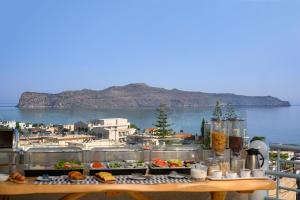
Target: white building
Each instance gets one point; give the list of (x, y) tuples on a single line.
[(8, 124), (22, 125), (69, 127), (115, 129)]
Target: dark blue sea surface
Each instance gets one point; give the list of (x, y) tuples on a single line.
[(278, 124)]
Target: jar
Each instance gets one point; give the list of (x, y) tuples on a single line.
[(224, 165), (199, 171), (235, 136), (237, 164), (218, 137), (212, 165)]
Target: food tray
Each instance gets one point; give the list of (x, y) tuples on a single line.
[(50, 172), (119, 171), (167, 170), (237, 179)]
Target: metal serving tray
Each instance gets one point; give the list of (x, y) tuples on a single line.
[(173, 152)]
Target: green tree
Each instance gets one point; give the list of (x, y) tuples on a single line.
[(162, 124), (18, 126), (202, 127), (135, 127), (230, 112), (217, 114)]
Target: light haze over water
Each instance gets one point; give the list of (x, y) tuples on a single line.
[(277, 124)]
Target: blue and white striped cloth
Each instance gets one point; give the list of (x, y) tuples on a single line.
[(122, 179)]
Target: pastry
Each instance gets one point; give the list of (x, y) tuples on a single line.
[(74, 175), (105, 177), (16, 177)]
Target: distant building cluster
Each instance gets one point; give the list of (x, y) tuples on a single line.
[(94, 133), (112, 129)]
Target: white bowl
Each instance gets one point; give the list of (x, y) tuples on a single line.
[(3, 177), (217, 174), (231, 175), (258, 172)]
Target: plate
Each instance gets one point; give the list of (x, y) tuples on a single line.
[(76, 181), (40, 178), (138, 177), (176, 175)]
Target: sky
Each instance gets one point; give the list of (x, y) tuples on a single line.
[(249, 47)]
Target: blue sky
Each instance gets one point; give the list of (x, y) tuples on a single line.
[(246, 47)]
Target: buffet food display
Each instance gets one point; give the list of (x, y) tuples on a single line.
[(52, 160), (167, 159), (166, 164), (117, 160)]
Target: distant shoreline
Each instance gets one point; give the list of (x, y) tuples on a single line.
[(145, 108)]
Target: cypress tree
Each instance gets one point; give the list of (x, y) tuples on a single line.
[(202, 127), (162, 124), (217, 114), (230, 112)]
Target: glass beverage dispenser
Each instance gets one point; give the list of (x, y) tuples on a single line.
[(218, 136), (235, 130)]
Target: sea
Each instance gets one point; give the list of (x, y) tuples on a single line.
[(277, 124)]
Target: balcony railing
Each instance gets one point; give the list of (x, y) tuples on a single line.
[(279, 173)]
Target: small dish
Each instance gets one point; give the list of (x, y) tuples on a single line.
[(77, 181), (174, 174), (4, 177), (138, 176), (217, 174)]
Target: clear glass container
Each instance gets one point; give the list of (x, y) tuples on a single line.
[(16, 138), (199, 171), (120, 154), (235, 129), (237, 164), (48, 157), (224, 165), (9, 159), (218, 136), (183, 153), (212, 165)]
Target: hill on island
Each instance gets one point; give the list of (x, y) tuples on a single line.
[(138, 95)]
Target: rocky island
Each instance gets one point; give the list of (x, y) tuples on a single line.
[(138, 95)]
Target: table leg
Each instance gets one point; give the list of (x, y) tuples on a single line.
[(4, 197), (73, 196), (138, 196), (112, 194), (218, 195)]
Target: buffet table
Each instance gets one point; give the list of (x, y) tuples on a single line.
[(218, 189)]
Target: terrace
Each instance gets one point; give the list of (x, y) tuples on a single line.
[(38, 161)]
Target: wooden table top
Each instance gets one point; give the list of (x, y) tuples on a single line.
[(9, 188)]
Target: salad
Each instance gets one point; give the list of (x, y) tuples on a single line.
[(97, 165), (69, 165), (135, 164), (115, 165), (159, 163), (188, 163), (175, 163)]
